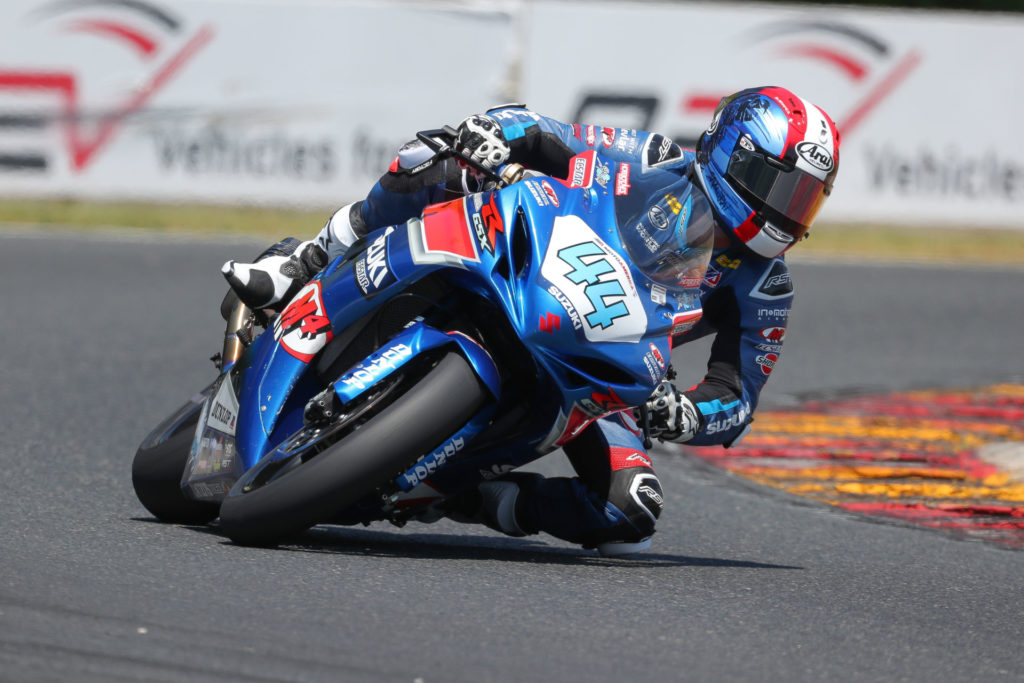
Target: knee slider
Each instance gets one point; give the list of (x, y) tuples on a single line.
[(637, 493)]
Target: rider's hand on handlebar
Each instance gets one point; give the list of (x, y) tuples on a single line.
[(673, 416), (480, 138)]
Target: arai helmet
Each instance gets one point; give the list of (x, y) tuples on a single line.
[(767, 163)]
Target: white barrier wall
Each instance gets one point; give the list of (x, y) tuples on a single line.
[(928, 104), (271, 101), (306, 101)]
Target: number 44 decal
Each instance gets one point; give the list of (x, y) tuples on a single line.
[(303, 328), (596, 291), (596, 281)]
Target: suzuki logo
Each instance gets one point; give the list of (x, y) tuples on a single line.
[(549, 323)]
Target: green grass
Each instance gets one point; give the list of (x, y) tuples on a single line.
[(991, 246), (267, 222), (846, 241)]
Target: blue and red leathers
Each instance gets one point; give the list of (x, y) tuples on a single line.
[(746, 301)]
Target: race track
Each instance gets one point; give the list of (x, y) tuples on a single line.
[(103, 336)]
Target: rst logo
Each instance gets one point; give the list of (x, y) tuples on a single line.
[(595, 280)]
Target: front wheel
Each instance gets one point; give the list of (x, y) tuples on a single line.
[(266, 506)]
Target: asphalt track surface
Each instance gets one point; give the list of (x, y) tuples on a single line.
[(102, 337)]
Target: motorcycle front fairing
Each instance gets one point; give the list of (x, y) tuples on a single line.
[(277, 371), (550, 254)]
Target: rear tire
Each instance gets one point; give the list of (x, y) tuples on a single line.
[(315, 491)]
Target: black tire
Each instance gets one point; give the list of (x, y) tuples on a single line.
[(318, 489), (156, 475)]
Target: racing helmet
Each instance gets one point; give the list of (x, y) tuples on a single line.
[(767, 162)]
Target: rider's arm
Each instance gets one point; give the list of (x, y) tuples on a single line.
[(748, 312), (546, 144)]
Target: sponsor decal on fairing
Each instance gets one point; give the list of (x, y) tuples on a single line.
[(570, 310), (622, 180), (224, 409), (366, 373), (684, 322), (549, 192), (487, 223), (549, 323), (537, 192), (659, 295), (426, 467), (371, 270), (443, 235), (602, 174), (303, 327), (657, 356)]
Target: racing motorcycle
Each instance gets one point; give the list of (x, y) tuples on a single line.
[(437, 354)]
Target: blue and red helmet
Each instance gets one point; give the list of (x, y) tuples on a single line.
[(767, 163)]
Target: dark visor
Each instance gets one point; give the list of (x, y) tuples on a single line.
[(794, 194)]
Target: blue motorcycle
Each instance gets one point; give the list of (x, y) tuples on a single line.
[(438, 354)]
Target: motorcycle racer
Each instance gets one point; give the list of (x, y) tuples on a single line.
[(765, 165)]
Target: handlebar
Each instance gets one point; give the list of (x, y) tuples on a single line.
[(442, 142)]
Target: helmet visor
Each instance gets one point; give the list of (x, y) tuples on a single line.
[(795, 195)]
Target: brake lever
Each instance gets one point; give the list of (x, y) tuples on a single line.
[(645, 425)]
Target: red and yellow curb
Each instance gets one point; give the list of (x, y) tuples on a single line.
[(951, 460)]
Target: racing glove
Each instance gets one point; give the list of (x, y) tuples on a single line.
[(480, 138), (673, 416)]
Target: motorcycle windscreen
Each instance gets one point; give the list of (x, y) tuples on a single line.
[(667, 227)]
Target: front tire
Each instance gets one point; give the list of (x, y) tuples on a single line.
[(308, 492)]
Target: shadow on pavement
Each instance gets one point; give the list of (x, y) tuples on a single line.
[(455, 546)]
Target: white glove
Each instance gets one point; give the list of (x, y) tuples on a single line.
[(673, 416), (480, 138)]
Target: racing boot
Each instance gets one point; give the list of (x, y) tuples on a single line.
[(277, 275), (493, 504)]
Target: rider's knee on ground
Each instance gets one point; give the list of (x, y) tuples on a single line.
[(635, 501)]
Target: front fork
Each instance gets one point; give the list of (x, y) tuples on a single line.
[(237, 334)]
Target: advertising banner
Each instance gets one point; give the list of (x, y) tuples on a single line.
[(306, 102), (926, 102), (281, 102)]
